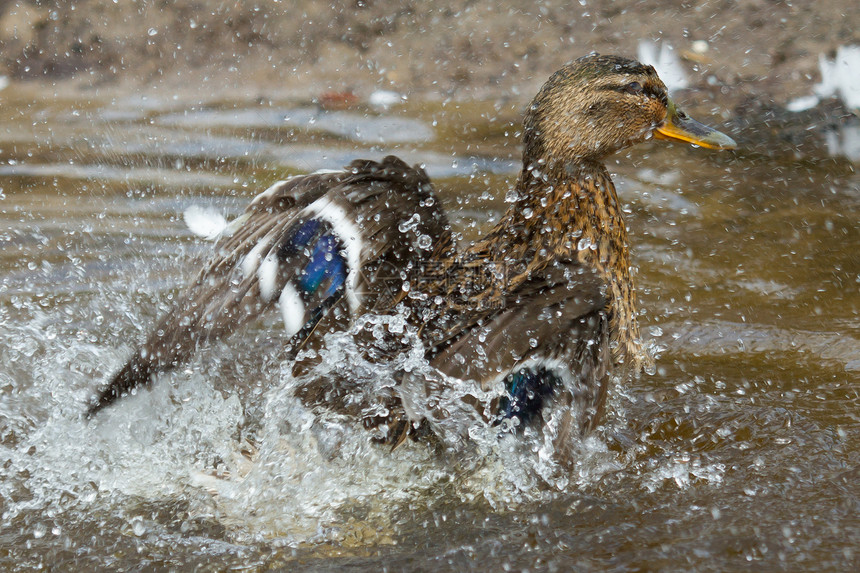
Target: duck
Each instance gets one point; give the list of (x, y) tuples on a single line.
[(540, 314)]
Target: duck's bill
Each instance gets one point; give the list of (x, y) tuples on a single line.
[(678, 126)]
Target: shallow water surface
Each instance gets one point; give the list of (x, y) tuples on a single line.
[(740, 451)]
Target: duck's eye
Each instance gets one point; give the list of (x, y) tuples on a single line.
[(634, 88)]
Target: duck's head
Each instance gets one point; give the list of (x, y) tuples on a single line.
[(599, 104)]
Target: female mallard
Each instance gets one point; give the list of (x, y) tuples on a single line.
[(544, 304)]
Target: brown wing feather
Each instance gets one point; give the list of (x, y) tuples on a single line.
[(493, 340), (376, 196), (557, 317)]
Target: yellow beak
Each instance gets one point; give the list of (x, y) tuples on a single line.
[(678, 126)]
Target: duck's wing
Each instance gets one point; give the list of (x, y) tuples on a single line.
[(308, 244), (541, 314), (548, 337)]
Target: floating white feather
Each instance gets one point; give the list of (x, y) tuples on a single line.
[(205, 222)]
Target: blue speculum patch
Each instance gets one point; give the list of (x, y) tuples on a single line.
[(325, 262), (326, 267), (528, 390), (302, 235)]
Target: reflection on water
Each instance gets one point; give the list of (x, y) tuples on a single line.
[(741, 449), (353, 126)]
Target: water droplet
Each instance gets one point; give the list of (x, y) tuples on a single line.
[(410, 224), (511, 196), (425, 242)]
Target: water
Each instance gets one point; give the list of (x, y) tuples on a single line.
[(741, 451)]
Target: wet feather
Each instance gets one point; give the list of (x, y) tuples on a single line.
[(541, 311)]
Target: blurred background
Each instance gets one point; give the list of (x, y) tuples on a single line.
[(760, 49)]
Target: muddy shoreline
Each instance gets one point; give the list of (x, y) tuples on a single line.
[(757, 57)]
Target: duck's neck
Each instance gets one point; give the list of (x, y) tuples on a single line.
[(572, 212)]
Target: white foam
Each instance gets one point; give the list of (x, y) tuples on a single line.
[(204, 222), (292, 309)]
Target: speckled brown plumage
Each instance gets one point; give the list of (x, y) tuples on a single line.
[(566, 203), (540, 312)]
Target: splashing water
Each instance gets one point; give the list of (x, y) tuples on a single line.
[(736, 449), (308, 474)]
